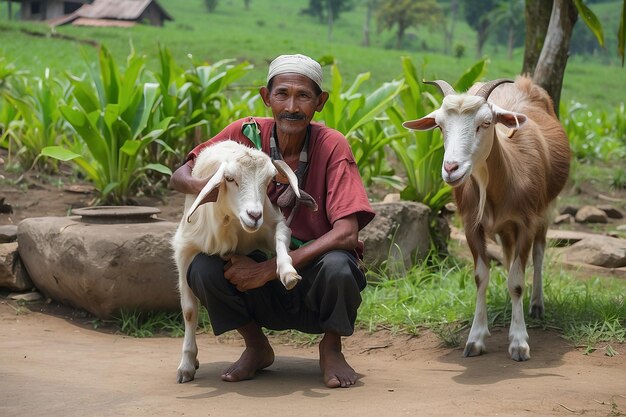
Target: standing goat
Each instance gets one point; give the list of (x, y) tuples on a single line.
[(507, 157), (241, 220)]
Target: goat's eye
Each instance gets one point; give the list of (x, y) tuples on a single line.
[(229, 179)]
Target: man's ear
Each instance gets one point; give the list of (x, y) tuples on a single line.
[(265, 95), (321, 101)]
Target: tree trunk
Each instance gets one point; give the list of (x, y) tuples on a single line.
[(400, 36), (482, 37), (10, 11), (537, 20), (550, 68), (449, 32), (366, 24), (330, 21), (511, 41)]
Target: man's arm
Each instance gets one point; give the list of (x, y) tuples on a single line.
[(247, 274), (183, 182)]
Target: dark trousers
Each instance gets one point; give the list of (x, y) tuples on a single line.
[(325, 300)]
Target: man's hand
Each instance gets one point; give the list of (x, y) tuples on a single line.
[(246, 274)]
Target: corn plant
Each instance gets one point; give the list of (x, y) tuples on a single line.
[(39, 123), (113, 115), (595, 134), (354, 114), (421, 153), (196, 100)]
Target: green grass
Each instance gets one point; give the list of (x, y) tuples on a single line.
[(441, 297), (440, 294), (271, 28)]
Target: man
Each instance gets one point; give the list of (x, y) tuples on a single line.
[(243, 292)]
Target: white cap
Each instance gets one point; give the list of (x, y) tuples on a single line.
[(299, 64)]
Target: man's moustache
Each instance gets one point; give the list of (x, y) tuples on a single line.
[(292, 116)]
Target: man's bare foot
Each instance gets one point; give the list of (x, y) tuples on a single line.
[(252, 359), (336, 371), (257, 355)]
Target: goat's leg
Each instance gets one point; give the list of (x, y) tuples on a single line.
[(536, 301), (284, 267), (518, 337), (480, 327), (189, 304)]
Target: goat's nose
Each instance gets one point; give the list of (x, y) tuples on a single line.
[(450, 167), (255, 214)]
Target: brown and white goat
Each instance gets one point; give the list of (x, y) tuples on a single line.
[(507, 157)]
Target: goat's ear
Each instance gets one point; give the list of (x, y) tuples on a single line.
[(214, 182), (427, 122), (284, 169), (510, 119)]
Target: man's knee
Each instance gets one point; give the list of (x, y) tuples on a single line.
[(341, 269), (205, 272)]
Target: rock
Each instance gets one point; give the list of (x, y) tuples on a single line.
[(569, 209), (591, 214), (8, 233), (564, 218), (604, 251), (399, 232), (621, 228), (101, 268), (13, 275), (29, 296), (392, 198), (611, 211)]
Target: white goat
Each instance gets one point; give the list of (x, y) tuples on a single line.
[(507, 159), (241, 220)]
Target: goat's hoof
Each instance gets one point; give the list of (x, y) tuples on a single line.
[(536, 311), (186, 374), (519, 353), (291, 280), (473, 349)]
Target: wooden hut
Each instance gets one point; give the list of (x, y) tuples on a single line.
[(100, 12)]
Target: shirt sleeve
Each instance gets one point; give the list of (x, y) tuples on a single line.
[(346, 193)]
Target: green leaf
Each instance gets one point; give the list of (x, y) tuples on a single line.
[(469, 77), (131, 147), (60, 153), (159, 168), (591, 20)]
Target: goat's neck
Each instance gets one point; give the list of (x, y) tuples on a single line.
[(490, 186)]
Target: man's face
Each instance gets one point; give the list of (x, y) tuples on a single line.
[(294, 101)]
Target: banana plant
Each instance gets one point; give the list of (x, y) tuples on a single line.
[(195, 98), (355, 114), (37, 122), (112, 115), (421, 153)]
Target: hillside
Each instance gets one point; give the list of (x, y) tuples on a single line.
[(271, 28)]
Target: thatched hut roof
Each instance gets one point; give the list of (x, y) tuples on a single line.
[(109, 11)]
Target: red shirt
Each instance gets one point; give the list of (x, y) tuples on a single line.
[(332, 178)]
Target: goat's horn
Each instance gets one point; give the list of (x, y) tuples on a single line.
[(488, 87), (444, 87)]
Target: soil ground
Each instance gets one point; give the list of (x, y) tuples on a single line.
[(53, 363), (57, 365)]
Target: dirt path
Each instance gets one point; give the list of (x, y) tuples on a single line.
[(51, 366)]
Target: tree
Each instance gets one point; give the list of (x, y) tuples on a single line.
[(404, 14), (210, 5), (548, 67), (246, 4), (328, 10), (370, 6), (448, 28), (508, 16), (477, 16)]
